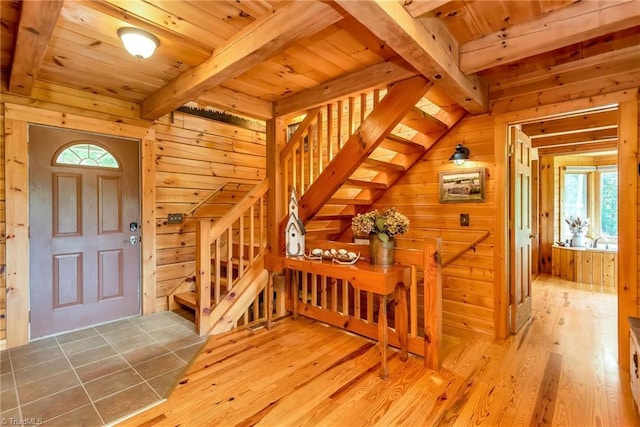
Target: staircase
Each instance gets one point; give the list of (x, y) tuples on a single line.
[(341, 157), (230, 275), (340, 180)]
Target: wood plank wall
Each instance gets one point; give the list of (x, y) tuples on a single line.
[(194, 156), (233, 155), (468, 282), (638, 211), (3, 236)]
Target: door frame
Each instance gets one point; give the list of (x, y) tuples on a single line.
[(16, 164), (627, 101)]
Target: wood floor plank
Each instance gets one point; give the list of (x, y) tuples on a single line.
[(560, 369), (545, 405)]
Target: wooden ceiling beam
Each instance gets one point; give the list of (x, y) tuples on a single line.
[(257, 42), (575, 72), (578, 148), (574, 124), (424, 43), (380, 74), (563, 27), (37, 22), (603, 135), (418, 8), (236, 102)]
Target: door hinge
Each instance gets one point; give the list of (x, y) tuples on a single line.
[(29, 316), (510, 149)]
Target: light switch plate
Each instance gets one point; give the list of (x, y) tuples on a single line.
[(464, 220), (174, 218)]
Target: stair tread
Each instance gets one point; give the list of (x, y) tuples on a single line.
[(324, 230), (401, 145), (423, 122), (345, 201), (365, 184), (326, 217), (372, 163), (187, 299)]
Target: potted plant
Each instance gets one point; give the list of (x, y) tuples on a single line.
[(578, 228), (381, 227)]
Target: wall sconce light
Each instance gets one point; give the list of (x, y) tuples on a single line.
[(460, 156), (139, 43)]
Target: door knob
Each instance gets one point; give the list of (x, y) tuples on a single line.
[(533, 236), (133, 240)]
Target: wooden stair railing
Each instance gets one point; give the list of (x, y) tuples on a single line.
[(181, 293), (372, 131), (337, 302), (205, 199), (338, 180), (238, 240)]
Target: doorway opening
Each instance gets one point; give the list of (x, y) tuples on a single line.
[(573, 182)]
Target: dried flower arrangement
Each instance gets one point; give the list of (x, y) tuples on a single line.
[(385, 224), (578, 226)]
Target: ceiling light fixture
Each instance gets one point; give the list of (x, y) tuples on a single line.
[(139, 43), (460, 156)]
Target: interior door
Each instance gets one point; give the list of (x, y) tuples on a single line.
[(84, 235), (520, 228)]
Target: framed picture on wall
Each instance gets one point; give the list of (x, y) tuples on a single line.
[(462, 186)]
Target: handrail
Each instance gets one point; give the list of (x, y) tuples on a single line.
[(230, 217), (302, 128), (471, 245), (203, 201)]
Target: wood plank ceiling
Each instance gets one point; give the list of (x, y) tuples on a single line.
[(254, 57)]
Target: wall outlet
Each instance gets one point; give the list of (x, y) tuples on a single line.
[(174, 218), (464, 220)]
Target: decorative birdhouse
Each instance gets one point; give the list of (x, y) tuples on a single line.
[(294, 232)]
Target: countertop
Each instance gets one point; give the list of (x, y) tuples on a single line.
[(585, 249)]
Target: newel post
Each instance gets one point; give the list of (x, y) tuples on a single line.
[(432, 302), (203, 276)]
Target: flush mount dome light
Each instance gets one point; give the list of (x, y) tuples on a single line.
[(460, 156), (138, 43)]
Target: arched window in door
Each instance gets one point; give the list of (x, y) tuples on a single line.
[(86, 154)]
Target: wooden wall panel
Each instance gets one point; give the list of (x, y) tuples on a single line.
[(3, 281), (548, 215), (468, 282), (194, 158)]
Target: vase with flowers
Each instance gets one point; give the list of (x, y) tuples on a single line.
[(381, 227), (578, 227)]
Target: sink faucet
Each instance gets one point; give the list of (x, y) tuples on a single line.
[(595, 242)]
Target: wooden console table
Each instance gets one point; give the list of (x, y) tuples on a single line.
[(383, 281)]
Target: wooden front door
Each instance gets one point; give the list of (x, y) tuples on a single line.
[(84, 234), (520, 228)]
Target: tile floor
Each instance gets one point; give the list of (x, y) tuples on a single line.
[(97, 375)]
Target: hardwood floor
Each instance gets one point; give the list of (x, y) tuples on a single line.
[(560, 369)]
